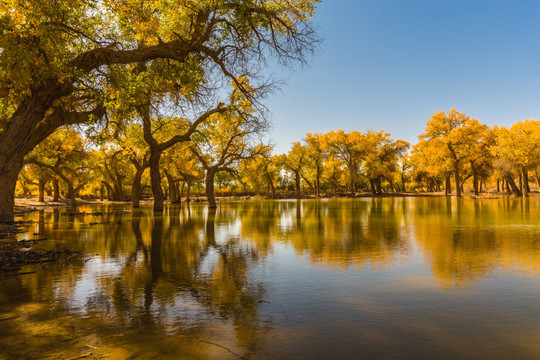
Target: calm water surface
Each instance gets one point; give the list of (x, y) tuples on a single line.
[(403, 278)]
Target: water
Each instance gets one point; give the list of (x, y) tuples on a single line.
[(392, 278)]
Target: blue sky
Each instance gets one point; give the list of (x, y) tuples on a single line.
[(389, 64)]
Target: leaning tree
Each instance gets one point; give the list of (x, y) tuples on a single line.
[(56, 57)]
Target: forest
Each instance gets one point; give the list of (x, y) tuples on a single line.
[(128, 100), (226, 155)]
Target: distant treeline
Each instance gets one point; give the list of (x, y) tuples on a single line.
[(455, 154)]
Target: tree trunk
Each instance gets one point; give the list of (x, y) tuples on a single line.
[(525, 180), (372, 184), (8, 178), (118, 189), (178, 192), (526, 176), (511, 184), (438, 185), (155, 179), (537, 177), (109, 190), (173, 196), (352, 182), (101, 192), (457, 179), (41, 189), (297, 183), (378, 182), (475, 183), (448, 186), (403, 183), (272, 188), (188, 191), (18, 138), (392, 189), (56, 190), (136, 189), (71, 194), (209, 184), (318, 182), (498, 185)]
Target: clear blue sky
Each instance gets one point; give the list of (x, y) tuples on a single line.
[(391, 64)]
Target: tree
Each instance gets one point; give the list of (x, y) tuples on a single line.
[(183, 131), (431, 165), (405, 166), (349, 148), (260, 170), (63, 153), (382, 158), (181, 166), (333, 173), (458, 134), (223, 141), (114, 168), (315, 154), (57, 59), (520, 147), (134, 147), (295, 161)]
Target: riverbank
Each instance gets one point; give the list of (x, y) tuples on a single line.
[(31, 203)]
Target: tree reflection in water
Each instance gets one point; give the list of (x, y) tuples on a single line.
[(180, 283)]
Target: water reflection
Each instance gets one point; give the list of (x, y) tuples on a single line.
[(281, 279)]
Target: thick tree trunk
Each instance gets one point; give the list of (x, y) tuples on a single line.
[(525, 180), (209, 184), (41, 190), (101, 192), (172, 187), (178, 192), (56, 190), (71, 194), (403, 183), (110, 195), (475, 183), (118, 189), (511, 184), (136, 189), (155, 179), (498, 185), (378, 182), (24, 130), (372, 184), (448, 186), (8, 179)]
